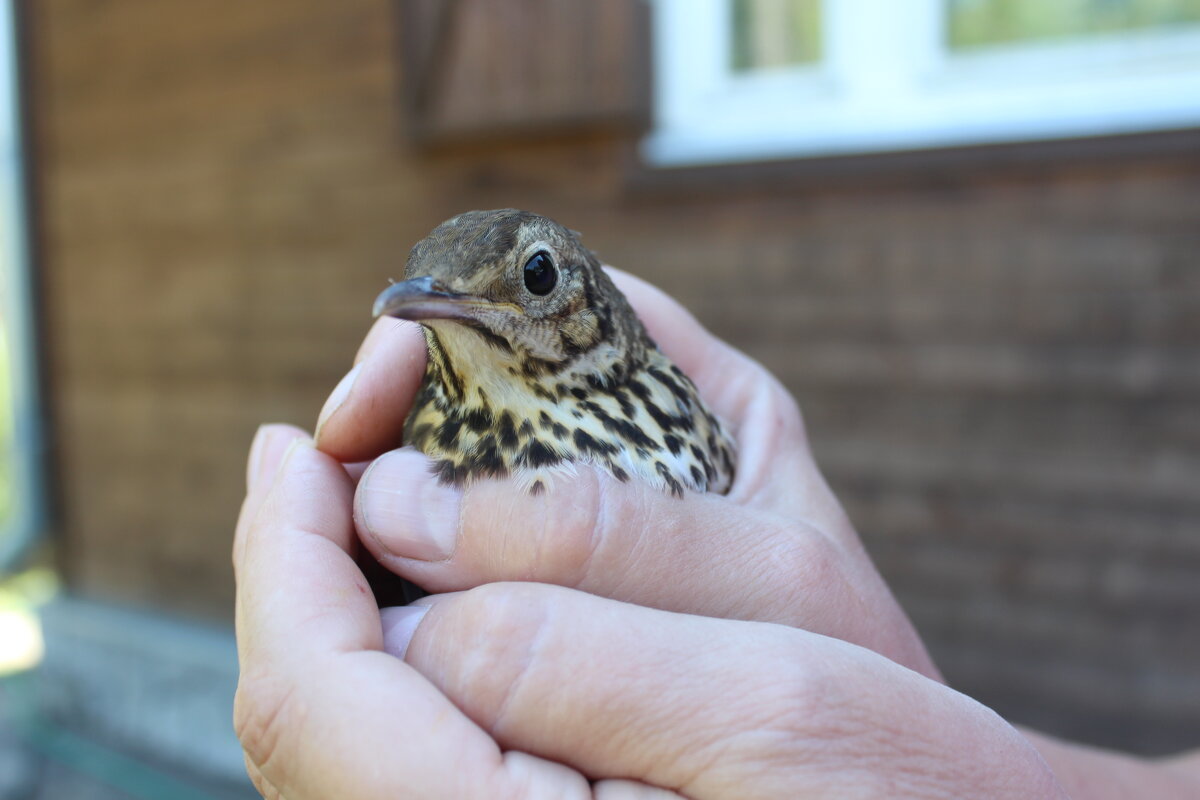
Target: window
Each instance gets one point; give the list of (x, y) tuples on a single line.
[(774, 34), (759, 79), (20, 485)]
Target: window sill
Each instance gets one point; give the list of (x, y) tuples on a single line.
[(924, 166)]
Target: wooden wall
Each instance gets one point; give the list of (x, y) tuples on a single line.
[(999, 368)]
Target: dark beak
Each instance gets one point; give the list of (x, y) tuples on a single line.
[(425, 298)]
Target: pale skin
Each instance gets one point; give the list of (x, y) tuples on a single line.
[(600, 639)]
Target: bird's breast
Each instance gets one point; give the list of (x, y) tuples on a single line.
[(650, 426)]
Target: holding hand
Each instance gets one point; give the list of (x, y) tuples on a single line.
[(776, 548), (527, 690), (710, 647)]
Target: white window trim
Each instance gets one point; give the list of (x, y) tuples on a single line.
[(886, 82)]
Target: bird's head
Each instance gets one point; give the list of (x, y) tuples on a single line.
[(514, 292)]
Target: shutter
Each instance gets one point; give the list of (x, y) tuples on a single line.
[(487, 68)]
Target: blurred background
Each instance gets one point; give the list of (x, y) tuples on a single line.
[(965, 233)]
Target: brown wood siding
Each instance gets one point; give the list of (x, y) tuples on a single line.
[(1000, 370)]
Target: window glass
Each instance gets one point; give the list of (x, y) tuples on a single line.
[(745, 80), (977, 23), (768, 34)]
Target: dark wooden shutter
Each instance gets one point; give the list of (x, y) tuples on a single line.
[(486, 68)]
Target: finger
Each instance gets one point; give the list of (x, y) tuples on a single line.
[(382, 330), (320, 711), (364, 414), (702, 554), (300, 536), (266, 452), (710, 708), (264, 786)]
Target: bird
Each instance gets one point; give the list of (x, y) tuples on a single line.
[(537, 363)]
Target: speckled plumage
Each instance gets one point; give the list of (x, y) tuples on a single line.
[(528, 385)]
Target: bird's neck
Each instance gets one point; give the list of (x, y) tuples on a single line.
[(473, 373)]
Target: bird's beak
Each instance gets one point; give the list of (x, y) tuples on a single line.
[(424, 298)]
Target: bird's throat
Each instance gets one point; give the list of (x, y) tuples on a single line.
[(479, 414)]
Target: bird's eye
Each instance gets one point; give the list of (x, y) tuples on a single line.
[(540, 276)]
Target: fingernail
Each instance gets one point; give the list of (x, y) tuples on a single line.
[(266, 454), (293, 446), (399, 625), (337, 396), (401, 505)]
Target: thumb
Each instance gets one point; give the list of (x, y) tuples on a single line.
[(702, 554)]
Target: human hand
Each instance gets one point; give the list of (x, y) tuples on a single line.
[(528, 690), (777, 548)]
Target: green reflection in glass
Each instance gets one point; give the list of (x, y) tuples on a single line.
[(977, 23), (768, 34)]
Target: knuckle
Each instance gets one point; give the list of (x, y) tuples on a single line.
[(815, 561), (553, 536), (799, 704), (830, 716), (499, 611), (577, 529), (507, 630), (819, 585), (263, 710), (796, 697), (812, 706), (779, 715), (603, 540), (807, 575), (261, 784)]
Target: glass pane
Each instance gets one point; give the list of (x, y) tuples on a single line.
[(975, 23), (769, 34)]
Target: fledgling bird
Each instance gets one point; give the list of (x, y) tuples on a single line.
[(537, 361)]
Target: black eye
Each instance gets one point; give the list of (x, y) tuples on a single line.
[(540, 276)]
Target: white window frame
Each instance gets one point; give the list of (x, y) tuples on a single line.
[(888, 82), (27, 515)]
